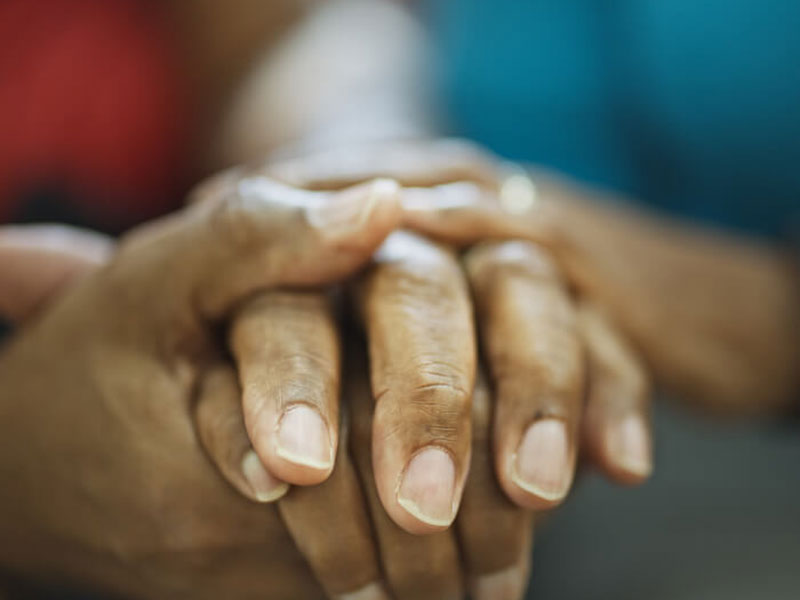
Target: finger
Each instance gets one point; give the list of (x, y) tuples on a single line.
[(250, 233), (616, 427), (220, 428), (495, 534), (330, 525), (38, 261), (414, 567), (412, 163), (529, 334), (418, 319), (287, 353), (464, 213)]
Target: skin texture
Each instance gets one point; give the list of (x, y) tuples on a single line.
[(110, 483), (729, 346), (320, 517), (412, 290), (529, 328), (354, 568)]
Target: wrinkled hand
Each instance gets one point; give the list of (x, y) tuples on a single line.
[(538, 346), (340, 527), (714, 316), (105, 479), (416, 312)]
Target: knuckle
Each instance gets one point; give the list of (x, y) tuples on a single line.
[(245, 215), (414, 258), (435, 376), (440, 396), (440, 387), (305, 366), (434, 403), (493, 259), (232, 222)]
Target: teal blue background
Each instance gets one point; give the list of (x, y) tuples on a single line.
[(692, 106)]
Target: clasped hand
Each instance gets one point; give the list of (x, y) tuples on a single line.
[(286, 331)]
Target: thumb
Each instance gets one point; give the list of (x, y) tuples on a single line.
[(248, 234), (38, 261)]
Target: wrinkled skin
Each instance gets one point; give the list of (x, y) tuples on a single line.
[(104, 477), (488, 520), (714, 315)]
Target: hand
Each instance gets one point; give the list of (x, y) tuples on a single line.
[(415, 275), (715, 316), (110, 483), (321, 517), (494, 535), (340, 526), (728, 342), (525, 316)]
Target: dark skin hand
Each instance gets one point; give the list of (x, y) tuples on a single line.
[(412, 291), (538, 344), (110, 482), (487, 521), (727, 343), (320, 517)]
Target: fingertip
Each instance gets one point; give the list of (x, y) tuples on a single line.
[(627, 446), (424, 497), (427, 488), (263, 486), (302, 449), (540, 472)]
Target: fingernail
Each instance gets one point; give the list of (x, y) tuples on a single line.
[(303, 438), (346, 212), (628, 444), (542, 465), (373, 591), (508, 584), (265, 487), (428, 486)]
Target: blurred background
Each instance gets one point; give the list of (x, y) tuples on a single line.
[(111, 109)]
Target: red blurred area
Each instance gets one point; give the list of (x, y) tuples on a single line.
[(90, 97)]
